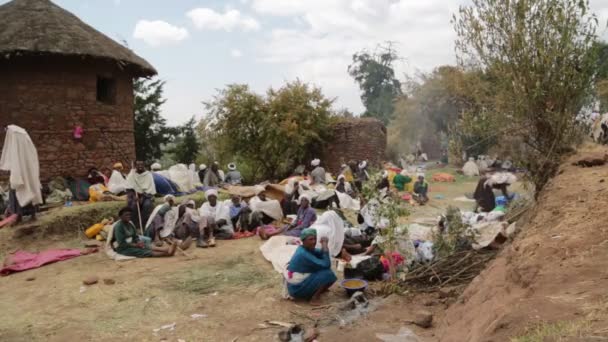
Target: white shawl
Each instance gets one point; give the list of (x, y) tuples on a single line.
[(331, 226), (117, 183), (271, 208), (219, 212), (142, 183), (20, 158)]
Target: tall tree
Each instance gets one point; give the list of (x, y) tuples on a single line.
[(540, 53), (375, 74), (151, 131), (187, 147), (270, 133)]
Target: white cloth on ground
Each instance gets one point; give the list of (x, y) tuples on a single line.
[(142, 183), (20, 158), (269, 207), (279, 250), (347, 202), (117, 183)]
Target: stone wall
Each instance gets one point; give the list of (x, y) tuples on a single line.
[(355, 139), (50, 97)]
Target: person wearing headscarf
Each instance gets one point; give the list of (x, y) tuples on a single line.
[(233, 177), (188, 225), (95, 177), (216, 217), (202, 169), (163, 217), (117, 184), (212, 176), (306, 216), (401, 180), (343, 186), (309, 273), (140, 193), (129, 243), (484, 192), (98, 192), (318, 173), (384, 185), (361, 176), (156, 167), (421, 189)]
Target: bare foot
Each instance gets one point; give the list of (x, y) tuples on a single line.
[(345, 255), (186, 243), (172, 249), (315, 302)]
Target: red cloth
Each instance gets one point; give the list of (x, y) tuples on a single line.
[(9, 220), (241, 235), (22, 260)]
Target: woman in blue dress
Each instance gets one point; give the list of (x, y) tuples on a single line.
[(309, 272)]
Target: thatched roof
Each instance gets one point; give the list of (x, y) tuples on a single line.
[(39, 27)]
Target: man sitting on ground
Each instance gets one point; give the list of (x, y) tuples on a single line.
[(216, 216), (131, 244), (421, 189), (233, 177), (161, 217), (237, 210)]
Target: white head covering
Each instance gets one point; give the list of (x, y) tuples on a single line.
[(191, 202), (363, 164), (168, 198), (305, 196), (384, 174), (202, 167), (232, 166), (403, 172), (156, 167), (210, 192), (420, 175), (315, 162), (341, 177)]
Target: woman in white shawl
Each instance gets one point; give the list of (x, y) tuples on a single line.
[(216, 217), (117, 183), (162, 221)]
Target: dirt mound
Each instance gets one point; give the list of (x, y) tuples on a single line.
[(551, 282)]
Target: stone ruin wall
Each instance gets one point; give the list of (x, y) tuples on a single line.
[(355, 139), (49, 99)]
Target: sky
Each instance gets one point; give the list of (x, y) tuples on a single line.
[(200, 46)]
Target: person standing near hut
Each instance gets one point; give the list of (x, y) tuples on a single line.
[(20, 158), (140, 193)]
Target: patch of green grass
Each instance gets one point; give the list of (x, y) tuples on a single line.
[(555, 331), (232, 273)]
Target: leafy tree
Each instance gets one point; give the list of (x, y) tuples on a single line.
[(187, 147), (151, 131), (271, 133), (541, 57), (375, 74)]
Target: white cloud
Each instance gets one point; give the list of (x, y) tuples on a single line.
[(158, 33), (236, 53), (208, 19), (319, 47)]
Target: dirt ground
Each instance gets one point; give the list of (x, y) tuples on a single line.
[(231, 285), (550, 284)]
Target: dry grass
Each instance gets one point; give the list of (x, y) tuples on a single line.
[(232, 273)]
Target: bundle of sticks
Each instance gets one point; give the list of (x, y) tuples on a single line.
[(456, 269)]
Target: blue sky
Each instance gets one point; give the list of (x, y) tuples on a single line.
[(199, 46)]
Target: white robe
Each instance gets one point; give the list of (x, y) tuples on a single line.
[(20, 158), (221, 211), (331, 226), (269, 207), (117, 183), (142, 183)]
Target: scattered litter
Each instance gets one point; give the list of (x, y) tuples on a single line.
[(215, 293), (82, 289), (556, 237), (169, 327), (197, 316), (404, 335), (439, 197)]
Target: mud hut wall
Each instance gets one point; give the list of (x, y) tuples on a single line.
[(355, 139), (49, 99)]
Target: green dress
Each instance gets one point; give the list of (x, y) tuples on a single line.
[(400, 181), (125, 235)]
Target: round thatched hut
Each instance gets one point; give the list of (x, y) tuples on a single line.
[(58, 74)]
